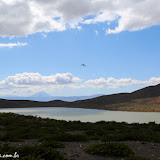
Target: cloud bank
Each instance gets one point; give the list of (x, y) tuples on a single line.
[(10, 45), (21, 17), (30, 82), (27, 80), (117, 83)]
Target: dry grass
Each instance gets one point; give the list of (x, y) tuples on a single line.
[(138, 105)]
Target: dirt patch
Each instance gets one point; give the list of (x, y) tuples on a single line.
[(155, 100), (145, 149), (30, 142)]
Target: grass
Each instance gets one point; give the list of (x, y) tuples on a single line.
[(137, 105)]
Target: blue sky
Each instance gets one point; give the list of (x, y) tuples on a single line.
[(130, 57)]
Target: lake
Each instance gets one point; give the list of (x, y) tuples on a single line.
[(87, 115)]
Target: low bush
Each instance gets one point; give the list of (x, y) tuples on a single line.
[(65, 137), (110, 149), (38, 152), (18, 128), (53, 144)]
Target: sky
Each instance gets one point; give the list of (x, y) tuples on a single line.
[(42, 46)]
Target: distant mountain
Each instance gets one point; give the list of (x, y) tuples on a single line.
[(77, 98), (146, 100), (41, 94), (45, 97)]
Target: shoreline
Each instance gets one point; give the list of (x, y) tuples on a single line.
[(104, 109)]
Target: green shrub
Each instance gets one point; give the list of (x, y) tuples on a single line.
[(38, 152), (111, 149), (65, 137), (18, 128), (53, 144), (52, 155)]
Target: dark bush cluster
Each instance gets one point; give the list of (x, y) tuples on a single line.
[(18, 127), (38, 152), (111, 149), (65, 137)]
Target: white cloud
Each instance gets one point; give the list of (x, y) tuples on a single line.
[(26, 80), (21, 17), (29, 83), (117, 83), (10, 45), (60, 80)]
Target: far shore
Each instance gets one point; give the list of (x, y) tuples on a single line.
[(126, 109)]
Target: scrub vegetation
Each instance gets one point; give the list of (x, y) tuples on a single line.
[(111, 149), (52, 134)]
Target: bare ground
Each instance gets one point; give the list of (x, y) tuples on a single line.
[(30, 142)]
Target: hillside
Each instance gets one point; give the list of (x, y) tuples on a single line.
[(146, 99)]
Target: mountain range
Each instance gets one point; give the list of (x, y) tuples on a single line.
[(44, 97), (146, 100)]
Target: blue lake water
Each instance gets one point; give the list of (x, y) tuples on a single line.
[(87, 115)]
